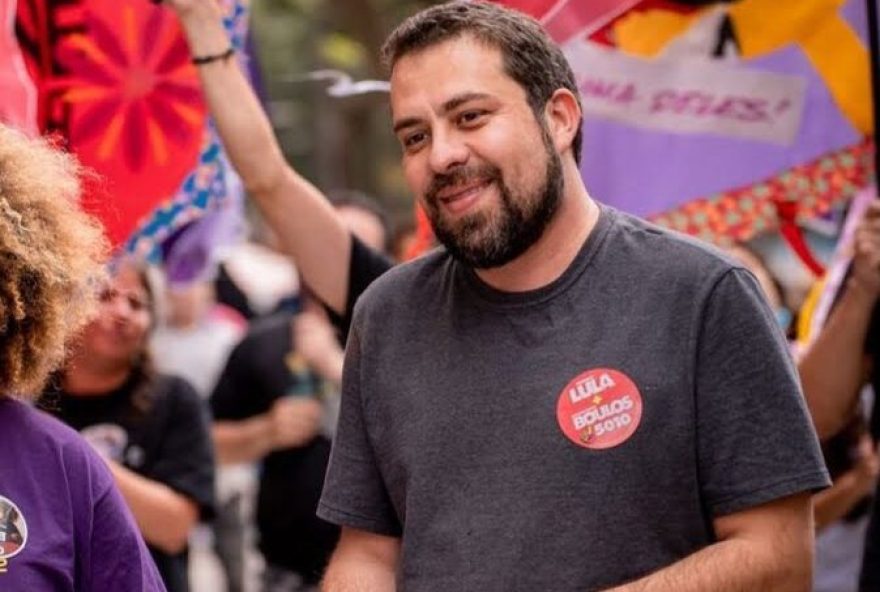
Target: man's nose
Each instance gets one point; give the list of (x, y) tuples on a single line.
[(448, 151)]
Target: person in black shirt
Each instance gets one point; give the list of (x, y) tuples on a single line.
[(151, 429), (264, 409), (267, 406)]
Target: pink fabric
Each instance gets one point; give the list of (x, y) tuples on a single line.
[(18, 96)]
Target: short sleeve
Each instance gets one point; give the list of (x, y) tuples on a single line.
[(354, 492), (118, 557), (365, 266), (185, 462), (755, 440), (110, 552)]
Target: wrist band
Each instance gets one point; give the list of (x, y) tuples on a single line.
[(207, 59)]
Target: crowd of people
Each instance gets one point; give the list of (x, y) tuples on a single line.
[(560, 397)]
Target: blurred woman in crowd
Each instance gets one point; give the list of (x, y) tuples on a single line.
[(152, 429), (63, 524)]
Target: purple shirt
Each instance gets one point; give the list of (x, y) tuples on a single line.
[(63, 524)]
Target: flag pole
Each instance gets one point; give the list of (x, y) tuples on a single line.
[(874, 41)]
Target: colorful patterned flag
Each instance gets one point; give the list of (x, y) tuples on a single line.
[(567, 19), (713, 119), (115, 81)]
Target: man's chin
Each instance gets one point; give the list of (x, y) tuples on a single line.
[(477, 254)]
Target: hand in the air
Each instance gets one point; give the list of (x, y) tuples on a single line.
[(187, 9), (866, 255)]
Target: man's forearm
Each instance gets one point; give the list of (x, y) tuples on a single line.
[(738, 565), (358, 581), (362, 562), (357, 574)]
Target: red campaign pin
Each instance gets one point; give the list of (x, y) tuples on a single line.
[(600, 408)]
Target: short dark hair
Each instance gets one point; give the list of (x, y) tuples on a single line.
[(530, 57)]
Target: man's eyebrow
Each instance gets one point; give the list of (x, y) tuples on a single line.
[(450, 105), (459, 100), (405, 123)]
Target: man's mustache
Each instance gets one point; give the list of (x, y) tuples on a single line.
[(461, 176)]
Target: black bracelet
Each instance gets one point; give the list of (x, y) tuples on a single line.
[(207, 59)]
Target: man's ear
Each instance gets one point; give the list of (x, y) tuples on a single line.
[(563, 116)]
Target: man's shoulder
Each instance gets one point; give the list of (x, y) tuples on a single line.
[(404, 282), (654, 251)]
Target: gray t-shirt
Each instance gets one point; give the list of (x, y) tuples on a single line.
[(573, 437)]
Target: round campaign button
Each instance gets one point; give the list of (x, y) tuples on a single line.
[(600, 408), (13, 529)]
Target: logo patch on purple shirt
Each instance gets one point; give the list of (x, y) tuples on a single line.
[(13, 532)]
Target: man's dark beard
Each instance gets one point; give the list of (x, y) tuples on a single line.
[(484, 241)]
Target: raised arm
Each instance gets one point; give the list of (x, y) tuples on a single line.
[(305, 222), (769, 547), (832, 370)]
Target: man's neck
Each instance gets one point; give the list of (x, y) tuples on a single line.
[(84, 378), (547, 259)]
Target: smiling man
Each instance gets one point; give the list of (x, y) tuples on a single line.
[(565, 397)]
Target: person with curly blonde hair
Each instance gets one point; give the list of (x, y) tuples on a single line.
[(64, 525)]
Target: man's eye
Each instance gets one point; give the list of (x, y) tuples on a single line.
[(413, 140), (470, 117)]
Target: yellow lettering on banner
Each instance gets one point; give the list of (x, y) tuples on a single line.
[(4, 563)]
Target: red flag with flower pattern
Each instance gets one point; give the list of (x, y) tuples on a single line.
[(115, 81)]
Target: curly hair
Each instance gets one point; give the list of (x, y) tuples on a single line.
[(51, 260)]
